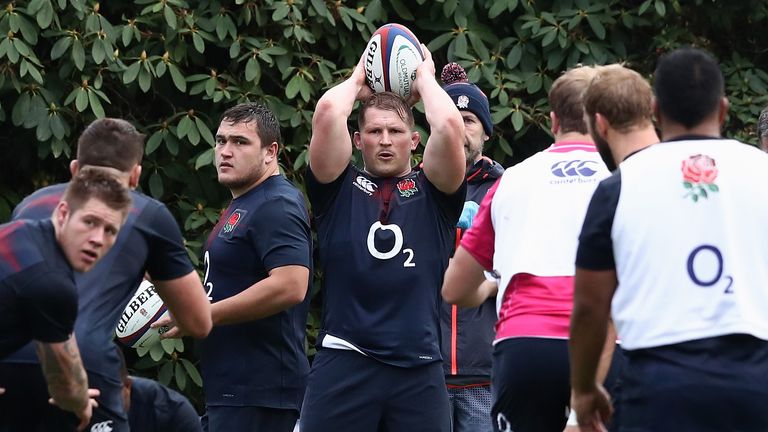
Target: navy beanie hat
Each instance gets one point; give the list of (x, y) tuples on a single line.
[(466, 96)]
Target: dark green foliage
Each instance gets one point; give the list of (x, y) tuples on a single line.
[(172, 67)]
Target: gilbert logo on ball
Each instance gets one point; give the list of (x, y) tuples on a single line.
[(144, 308), (391, 57)]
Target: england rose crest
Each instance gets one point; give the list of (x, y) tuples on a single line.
[(699, 175), (407, 187)]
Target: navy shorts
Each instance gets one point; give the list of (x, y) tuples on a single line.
[(248, 419), (25, 405), (531, 387), (348, 391), (714, 384)]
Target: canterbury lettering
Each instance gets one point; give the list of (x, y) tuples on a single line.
[(134, 306), (369, 56)]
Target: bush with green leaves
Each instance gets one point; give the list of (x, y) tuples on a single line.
[(173, 66)]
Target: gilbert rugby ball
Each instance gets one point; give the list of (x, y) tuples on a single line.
[(144, 308), (391, 57)]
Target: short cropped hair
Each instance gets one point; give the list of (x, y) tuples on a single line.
[(621, 95), (265, 121), (386, 101), (110, 142), (565, 98), (95, 183), (688, 85)]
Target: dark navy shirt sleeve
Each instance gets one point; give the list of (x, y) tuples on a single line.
[(450, 204), (595, 250), (167, 257), (288, 239), (322, 195), (49, 306)]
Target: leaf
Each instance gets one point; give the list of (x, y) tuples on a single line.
[(131, 73), (517, 120), (644, 7), (81, 100), (166, 371), (160, 68), (177, 77), (401, 10), (96, 107), (153, 142), (497, 8), (78, 54), (57, 126), (205, 159), (181, 376), (97, 53), (170, 17), (156, 352), (292, 89), (661, 8), (197, 40), (687, 185), (156, 186), (252, 70), (193, 135), (281, 11), (205, 133), (192, 372), (597, 26), (505, 147), (60, 47), (145, 80), (713, 187), (44, 16), (185, 124), (514, 56), (168, 345)]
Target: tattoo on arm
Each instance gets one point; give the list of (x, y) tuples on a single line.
[(64, 373)]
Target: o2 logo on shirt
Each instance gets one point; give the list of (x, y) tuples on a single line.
[(706, 255), (396, 248), (207, 285)]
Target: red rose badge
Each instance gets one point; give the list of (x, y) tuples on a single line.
[(699, 174), (407, 187)]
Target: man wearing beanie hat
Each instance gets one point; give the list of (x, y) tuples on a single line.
[(467, 333)]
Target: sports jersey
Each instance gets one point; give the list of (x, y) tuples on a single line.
[(683, 223), (384, 244), (261, 362), (533, 250), (38, 299), (156, 408), (149, 241), (467, 333)]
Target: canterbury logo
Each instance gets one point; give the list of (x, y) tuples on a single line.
[(365, 185), (574, 168), (105, 426)]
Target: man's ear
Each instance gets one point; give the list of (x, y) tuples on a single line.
[(356, 138), (722, 112), (61, 213), (656, 112), (272, 150), (601, 125), (133, 180), (415, 139), (74, 166), (555, 127)]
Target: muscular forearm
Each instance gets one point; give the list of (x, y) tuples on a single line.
[(588, 334), (64, 373), (281, 290)]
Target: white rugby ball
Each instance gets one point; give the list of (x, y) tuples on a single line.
[(144, 308), (391, 57)]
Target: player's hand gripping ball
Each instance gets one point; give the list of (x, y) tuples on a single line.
[(391, 57)]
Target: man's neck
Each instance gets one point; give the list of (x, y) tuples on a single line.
[(627, 143), (572, 137), (270, 172)]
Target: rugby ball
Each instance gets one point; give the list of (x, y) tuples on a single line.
[(391, 57), (144, 308)]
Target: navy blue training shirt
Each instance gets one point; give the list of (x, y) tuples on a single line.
[(38, 298), (262, 362), (149, 241), (384, 246)]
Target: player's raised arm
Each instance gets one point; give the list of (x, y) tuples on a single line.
[(444, 160), (331, 146)]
